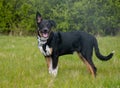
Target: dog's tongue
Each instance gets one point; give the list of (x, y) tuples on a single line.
[(45, 35)]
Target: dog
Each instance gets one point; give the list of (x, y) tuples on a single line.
[(55, 44)]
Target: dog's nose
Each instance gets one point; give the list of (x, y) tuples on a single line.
[(45, 30)]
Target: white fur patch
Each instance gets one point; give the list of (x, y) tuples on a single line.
[(48, 51), (41, 50), (113, 52), (41, 42), (54, 71)]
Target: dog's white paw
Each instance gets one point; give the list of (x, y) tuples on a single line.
[(113, 51), (53, 71)]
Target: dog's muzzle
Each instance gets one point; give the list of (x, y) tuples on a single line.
[(45, 33)]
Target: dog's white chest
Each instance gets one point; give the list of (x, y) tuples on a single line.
[(47, 51)]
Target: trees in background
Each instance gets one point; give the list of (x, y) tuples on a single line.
[(93, 16)]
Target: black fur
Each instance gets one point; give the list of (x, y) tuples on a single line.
[(67, 42)]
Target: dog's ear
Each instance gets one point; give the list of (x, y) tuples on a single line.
[(52, 22), (38, 17)]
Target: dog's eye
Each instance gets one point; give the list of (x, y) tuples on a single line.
[(48, 25), (40, 26)]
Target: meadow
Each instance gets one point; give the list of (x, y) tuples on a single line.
[(23, 66)]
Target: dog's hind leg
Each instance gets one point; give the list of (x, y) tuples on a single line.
[(89, 60), (89, 65)]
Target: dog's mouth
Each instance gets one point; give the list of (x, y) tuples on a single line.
[(45, 35)]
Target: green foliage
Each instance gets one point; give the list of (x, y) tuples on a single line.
[(93, 16), (23, 66)]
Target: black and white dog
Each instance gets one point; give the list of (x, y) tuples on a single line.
[(54, 44)]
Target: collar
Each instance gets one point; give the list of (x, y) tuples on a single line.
[(41, 40)]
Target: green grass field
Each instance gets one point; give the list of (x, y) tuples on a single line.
[(23, 66)]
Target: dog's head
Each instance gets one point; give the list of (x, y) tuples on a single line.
[(44, 26)]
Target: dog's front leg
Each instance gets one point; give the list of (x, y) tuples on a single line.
[(49, 64), (54, 65), (52, 69)]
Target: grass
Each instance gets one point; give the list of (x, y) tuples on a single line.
[(23, 66)]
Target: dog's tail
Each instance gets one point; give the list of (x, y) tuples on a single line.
[(99, 55)]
